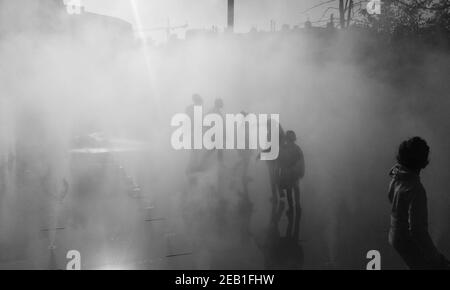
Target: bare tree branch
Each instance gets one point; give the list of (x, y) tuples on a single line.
[(318, 5), (422, 5)]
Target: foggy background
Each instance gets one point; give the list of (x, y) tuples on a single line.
[(206, 13), (351, 97)]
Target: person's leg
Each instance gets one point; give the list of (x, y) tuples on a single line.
[(290, 211), (298, 211), (290, 200), (281, 205), (274, 189)]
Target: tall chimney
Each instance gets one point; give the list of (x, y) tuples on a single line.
[(231, 15)]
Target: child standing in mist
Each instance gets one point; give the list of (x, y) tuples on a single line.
[(292, 169), (195, 158), (274, 174), (409, 217)]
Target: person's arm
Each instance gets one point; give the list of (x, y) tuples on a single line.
[(300, 164)]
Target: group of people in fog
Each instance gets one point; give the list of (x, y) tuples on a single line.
[(408, 233), (285, 171)]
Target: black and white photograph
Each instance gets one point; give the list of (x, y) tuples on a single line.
[(232, 138)]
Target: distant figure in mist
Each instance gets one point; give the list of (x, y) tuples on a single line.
[(196, 155), (274, 176), (217, 109), (409, 217), (244, 155), (197, 100), (245, 206), (292, 169)]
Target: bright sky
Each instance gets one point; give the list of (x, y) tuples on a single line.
[(205, 13)]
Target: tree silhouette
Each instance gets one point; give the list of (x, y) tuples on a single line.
[(409, 17)]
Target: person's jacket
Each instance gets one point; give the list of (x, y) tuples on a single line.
[(409, 215), (291, 163)]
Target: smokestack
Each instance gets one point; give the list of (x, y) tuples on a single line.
[(231, 15)]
